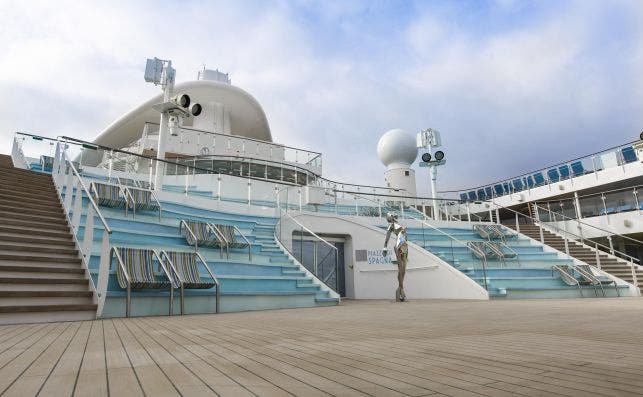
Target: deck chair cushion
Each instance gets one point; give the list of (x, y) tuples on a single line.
[(139, 264), (186, 266), (107, 195), (230, 236), (204, 235)]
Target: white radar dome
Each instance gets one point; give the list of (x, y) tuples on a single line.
[(397, 148)]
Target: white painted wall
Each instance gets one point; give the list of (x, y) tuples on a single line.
[(427, 276)]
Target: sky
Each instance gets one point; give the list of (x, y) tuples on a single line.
[(513, 86)]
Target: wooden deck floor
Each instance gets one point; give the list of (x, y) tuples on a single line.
[(545, 348)]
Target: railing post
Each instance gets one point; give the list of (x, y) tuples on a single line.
[(111, 165), (566, 237), (88, 236), (605, 208), (635, 280), (609, 239), (517, 223), (249, 191), (187, 180), (69, 188), (219, 187), (468, 213), (635, 192), (78, 208), (401, 209), (598, 256), (490, 214), (103, 273), (300, 202), (497, 215)]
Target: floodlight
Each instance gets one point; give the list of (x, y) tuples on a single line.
[(426, 157), (195, 109), (641, 135), (183, 100), (153, 70), (439, 155)]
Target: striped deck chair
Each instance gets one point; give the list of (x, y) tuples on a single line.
[(135, 270), (185, 265), (143, 199), (205, 236), (229, 234), (139, 265), (108, 195), (185, 272)]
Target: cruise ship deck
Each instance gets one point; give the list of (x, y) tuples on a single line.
[(361, 348)]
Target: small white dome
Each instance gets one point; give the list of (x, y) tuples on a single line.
[(397, 148)]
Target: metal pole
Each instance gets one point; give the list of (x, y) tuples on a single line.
[(598, 256), (168, 88), (517, 224)]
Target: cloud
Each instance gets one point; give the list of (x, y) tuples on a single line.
[(513, 86)]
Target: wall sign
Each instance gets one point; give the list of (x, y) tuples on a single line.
[(374, 257)]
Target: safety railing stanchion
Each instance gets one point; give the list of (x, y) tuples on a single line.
[(598, 256), (517, 223), (468, 213), (88, 237), (611, 243), (78, 207), (635, 280)]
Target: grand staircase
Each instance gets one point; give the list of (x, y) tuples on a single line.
[(608, 263), (41, 275)]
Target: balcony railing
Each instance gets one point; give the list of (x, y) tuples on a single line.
[(617, 156)]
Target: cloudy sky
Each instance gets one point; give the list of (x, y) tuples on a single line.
[(512, 85)]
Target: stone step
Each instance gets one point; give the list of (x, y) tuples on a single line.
[(60, 226), (55, 210), (28, 205), (27, 184), (27, 216), (46, 308), (45, 294), (33, 231), (32, 248), (47, 300), (19, 172), (12, 193), (37, 264), (38, 280), (28, 238), (27, 287), (40, 269), (5, 196), (38, 257)]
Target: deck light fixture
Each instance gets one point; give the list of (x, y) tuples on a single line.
[(430, 138)]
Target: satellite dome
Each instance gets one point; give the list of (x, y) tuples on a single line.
[(396, 148)]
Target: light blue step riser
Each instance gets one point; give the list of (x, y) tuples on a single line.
[(159, 306)]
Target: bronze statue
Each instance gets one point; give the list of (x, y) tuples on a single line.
[(401, 252)]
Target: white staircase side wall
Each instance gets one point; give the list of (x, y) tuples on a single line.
[(427, 276)]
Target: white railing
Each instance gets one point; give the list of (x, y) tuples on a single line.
[(17, 155), (72, 191)]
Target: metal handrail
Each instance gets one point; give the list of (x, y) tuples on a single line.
[(566, 277), (222, 240), (182, 224), (182, 282), (585, 224), (70, 164), (216, 280), (633, 265), (247, 242), (484, 258), (324, 280), (128, 303), (308, 230)]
